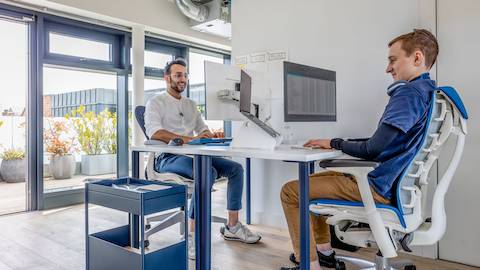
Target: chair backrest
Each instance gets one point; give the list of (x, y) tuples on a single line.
[(447, 116), (140, 116)]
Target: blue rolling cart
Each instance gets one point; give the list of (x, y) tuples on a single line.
[(123, 248)]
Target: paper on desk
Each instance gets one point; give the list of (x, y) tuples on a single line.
[(305, 147), (153, 187)]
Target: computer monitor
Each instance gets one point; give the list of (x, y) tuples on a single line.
[(245, 104), (309, 94), (245, 92), (221, 77)]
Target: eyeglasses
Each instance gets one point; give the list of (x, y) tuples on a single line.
[(179, 75)]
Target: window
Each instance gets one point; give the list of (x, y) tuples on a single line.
[(79, 123), (79, 47), (82, 76), (156, 59), (197, 60), (82, 45)]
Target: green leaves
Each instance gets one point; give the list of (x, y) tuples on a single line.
[(96, 133), (12, 154)]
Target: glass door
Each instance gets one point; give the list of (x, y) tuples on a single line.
[(79, 112), (79, 127), (14, 52)]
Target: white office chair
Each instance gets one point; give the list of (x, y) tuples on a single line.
[(170, 218), (405, 223)]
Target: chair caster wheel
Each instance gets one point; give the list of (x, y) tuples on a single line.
[(410, 267), (146, 243), (340, 266), (148, 226)]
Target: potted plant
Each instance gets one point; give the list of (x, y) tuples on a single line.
[(13, 165), (62, 162), (95, 135)]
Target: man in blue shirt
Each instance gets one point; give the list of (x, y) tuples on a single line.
[(393, 145)]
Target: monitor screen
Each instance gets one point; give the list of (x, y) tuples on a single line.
[(245, 92), (309, 93)]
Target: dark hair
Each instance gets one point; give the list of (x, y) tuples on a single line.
[(419, 39), (178, 61)]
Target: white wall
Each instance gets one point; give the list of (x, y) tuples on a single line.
[(459, 40), (159, 16)]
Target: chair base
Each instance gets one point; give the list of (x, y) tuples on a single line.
[(169, 219), (380, 263)]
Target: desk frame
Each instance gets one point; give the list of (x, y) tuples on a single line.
[(202, 173)]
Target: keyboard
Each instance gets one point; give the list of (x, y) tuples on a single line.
[(262, 125), (210, 141)]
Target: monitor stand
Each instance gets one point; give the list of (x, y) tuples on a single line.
[(249, 135)]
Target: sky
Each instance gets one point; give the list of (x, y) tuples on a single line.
[(13, 70)]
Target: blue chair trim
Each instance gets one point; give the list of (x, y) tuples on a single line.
[(360, 204), (455, 98)]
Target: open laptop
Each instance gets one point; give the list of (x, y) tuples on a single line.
[(245, 104)]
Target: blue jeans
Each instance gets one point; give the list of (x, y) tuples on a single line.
[(221, 167)]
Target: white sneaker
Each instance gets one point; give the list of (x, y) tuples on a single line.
[(240, 233), (191, 246)]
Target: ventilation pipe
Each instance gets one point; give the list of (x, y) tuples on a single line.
[(195, 12)]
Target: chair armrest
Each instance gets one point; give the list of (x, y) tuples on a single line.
[(332, 163), (360, 169)]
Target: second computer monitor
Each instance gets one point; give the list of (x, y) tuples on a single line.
[(245, 92)]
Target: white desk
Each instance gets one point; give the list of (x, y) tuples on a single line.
[(202, 169)]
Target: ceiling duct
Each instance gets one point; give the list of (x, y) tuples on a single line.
[(208, 16), (193, 11)]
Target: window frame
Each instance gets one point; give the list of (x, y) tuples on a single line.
[(80, 30)]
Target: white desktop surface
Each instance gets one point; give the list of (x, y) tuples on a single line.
[(283, 152)]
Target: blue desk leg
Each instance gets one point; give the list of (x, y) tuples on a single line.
[(248, 188), (87, 251), (202, 175), (312, 167), (133, 220), (135, 164), (303, 169)]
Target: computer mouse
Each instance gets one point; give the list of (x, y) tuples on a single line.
[(176, 142)]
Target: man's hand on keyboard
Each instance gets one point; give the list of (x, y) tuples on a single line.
[(205, 134), (218, 133), (318, 143)]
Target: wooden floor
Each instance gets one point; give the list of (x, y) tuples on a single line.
[(55, 240)]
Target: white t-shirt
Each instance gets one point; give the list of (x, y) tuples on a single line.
[(180, 116)]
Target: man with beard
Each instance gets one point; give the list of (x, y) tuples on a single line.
[(171, 115)]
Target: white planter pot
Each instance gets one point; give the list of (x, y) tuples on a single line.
[(62, 167), (13, 171), (99, 164)]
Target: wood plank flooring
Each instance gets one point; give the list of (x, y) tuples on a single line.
[(55, 240)]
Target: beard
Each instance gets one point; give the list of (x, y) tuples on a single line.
[(177, 87)]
